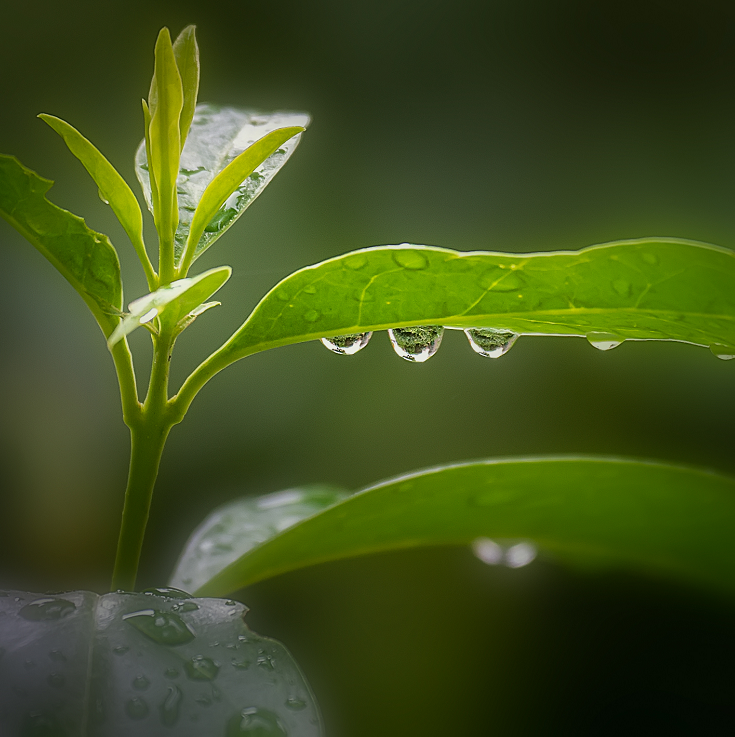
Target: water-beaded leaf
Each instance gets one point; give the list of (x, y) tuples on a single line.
[(218, 135), (652, 289), (143, 665), (665, 520), (177, 300), (85, 258), (112, 187), (238, 526)]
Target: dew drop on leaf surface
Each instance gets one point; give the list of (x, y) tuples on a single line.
[(200, 668), (490, 342), (161, 627), (136, 708), (255, 723), (170, 706), (47, 609), (347, 345), (724, 352), (416, 344), (412, 260)]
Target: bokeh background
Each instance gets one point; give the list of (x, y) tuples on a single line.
[(518, 126)]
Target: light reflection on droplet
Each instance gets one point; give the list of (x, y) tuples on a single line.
[(514, 556), (347, 345), (488, 551), (519, 555)]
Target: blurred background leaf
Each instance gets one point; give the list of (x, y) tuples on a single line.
[(470, 125)]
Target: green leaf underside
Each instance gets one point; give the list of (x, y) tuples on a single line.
[(218, 135), (144, 665), (85, 258), (655, 518), (235, 528), (651, 289), (177, 300)]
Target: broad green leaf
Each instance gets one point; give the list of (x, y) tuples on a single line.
[(177, 300), (218, 135), (227, 182), (165, 101), (144, 665), (186, 52), (85, 258), (652, 289), (238, 526), (112, 187), (663, 520)]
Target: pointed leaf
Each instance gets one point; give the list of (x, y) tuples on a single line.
[(227, 182), (660, 519), (144, 665), (186, 52), (166, 101), (218, 135), (177, 299), (652, 289), (85, 258), (112, 187), (238, 526)]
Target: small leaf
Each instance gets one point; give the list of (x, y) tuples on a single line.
[(652, 289), (85, 258), (166, 101), (238, 526), (186, 52), (112, 187), (227, 182), (659, 519), (177, 300), (218, 135), (144, 665)]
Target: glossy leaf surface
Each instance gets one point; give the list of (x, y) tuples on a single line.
[(218, 135), (144, 665), (238, 526), (85, 258), (660, 519), (178, 299), (653, 289)]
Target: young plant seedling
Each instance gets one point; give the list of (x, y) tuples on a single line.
[(127, 662)]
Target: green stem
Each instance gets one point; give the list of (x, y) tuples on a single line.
[(149, 429)]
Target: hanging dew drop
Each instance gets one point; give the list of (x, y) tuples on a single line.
[(347, 345), (723, 352), (604, 341), (418, 343), (490, 342), (102, 197)]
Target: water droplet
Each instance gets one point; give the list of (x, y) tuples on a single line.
[(255, 722), (136, 708), (604, 341), (309, 289), (141, 683), (168, 591), (229, 602), (265, 662), (490, 342), (240, 664), (413, 260), (221, 220), (356, 261), (311, 316), (417, 343), (517, 556), (120, 649), (295, 703), (57, 656), (171, 673), (56, 680), (650, 258), (283, 295), (200, 668), (102, 197), (204, 700), (501, 280), (347, 345), (170, 706), (47, 609), (726, 353), (161, 627), (488, 551), (622, 287), (191, 172), (187, 606)]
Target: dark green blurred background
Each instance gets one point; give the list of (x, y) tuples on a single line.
[(519, 126)]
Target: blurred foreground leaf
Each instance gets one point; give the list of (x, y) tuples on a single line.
[(665, 520), (144, 665)]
